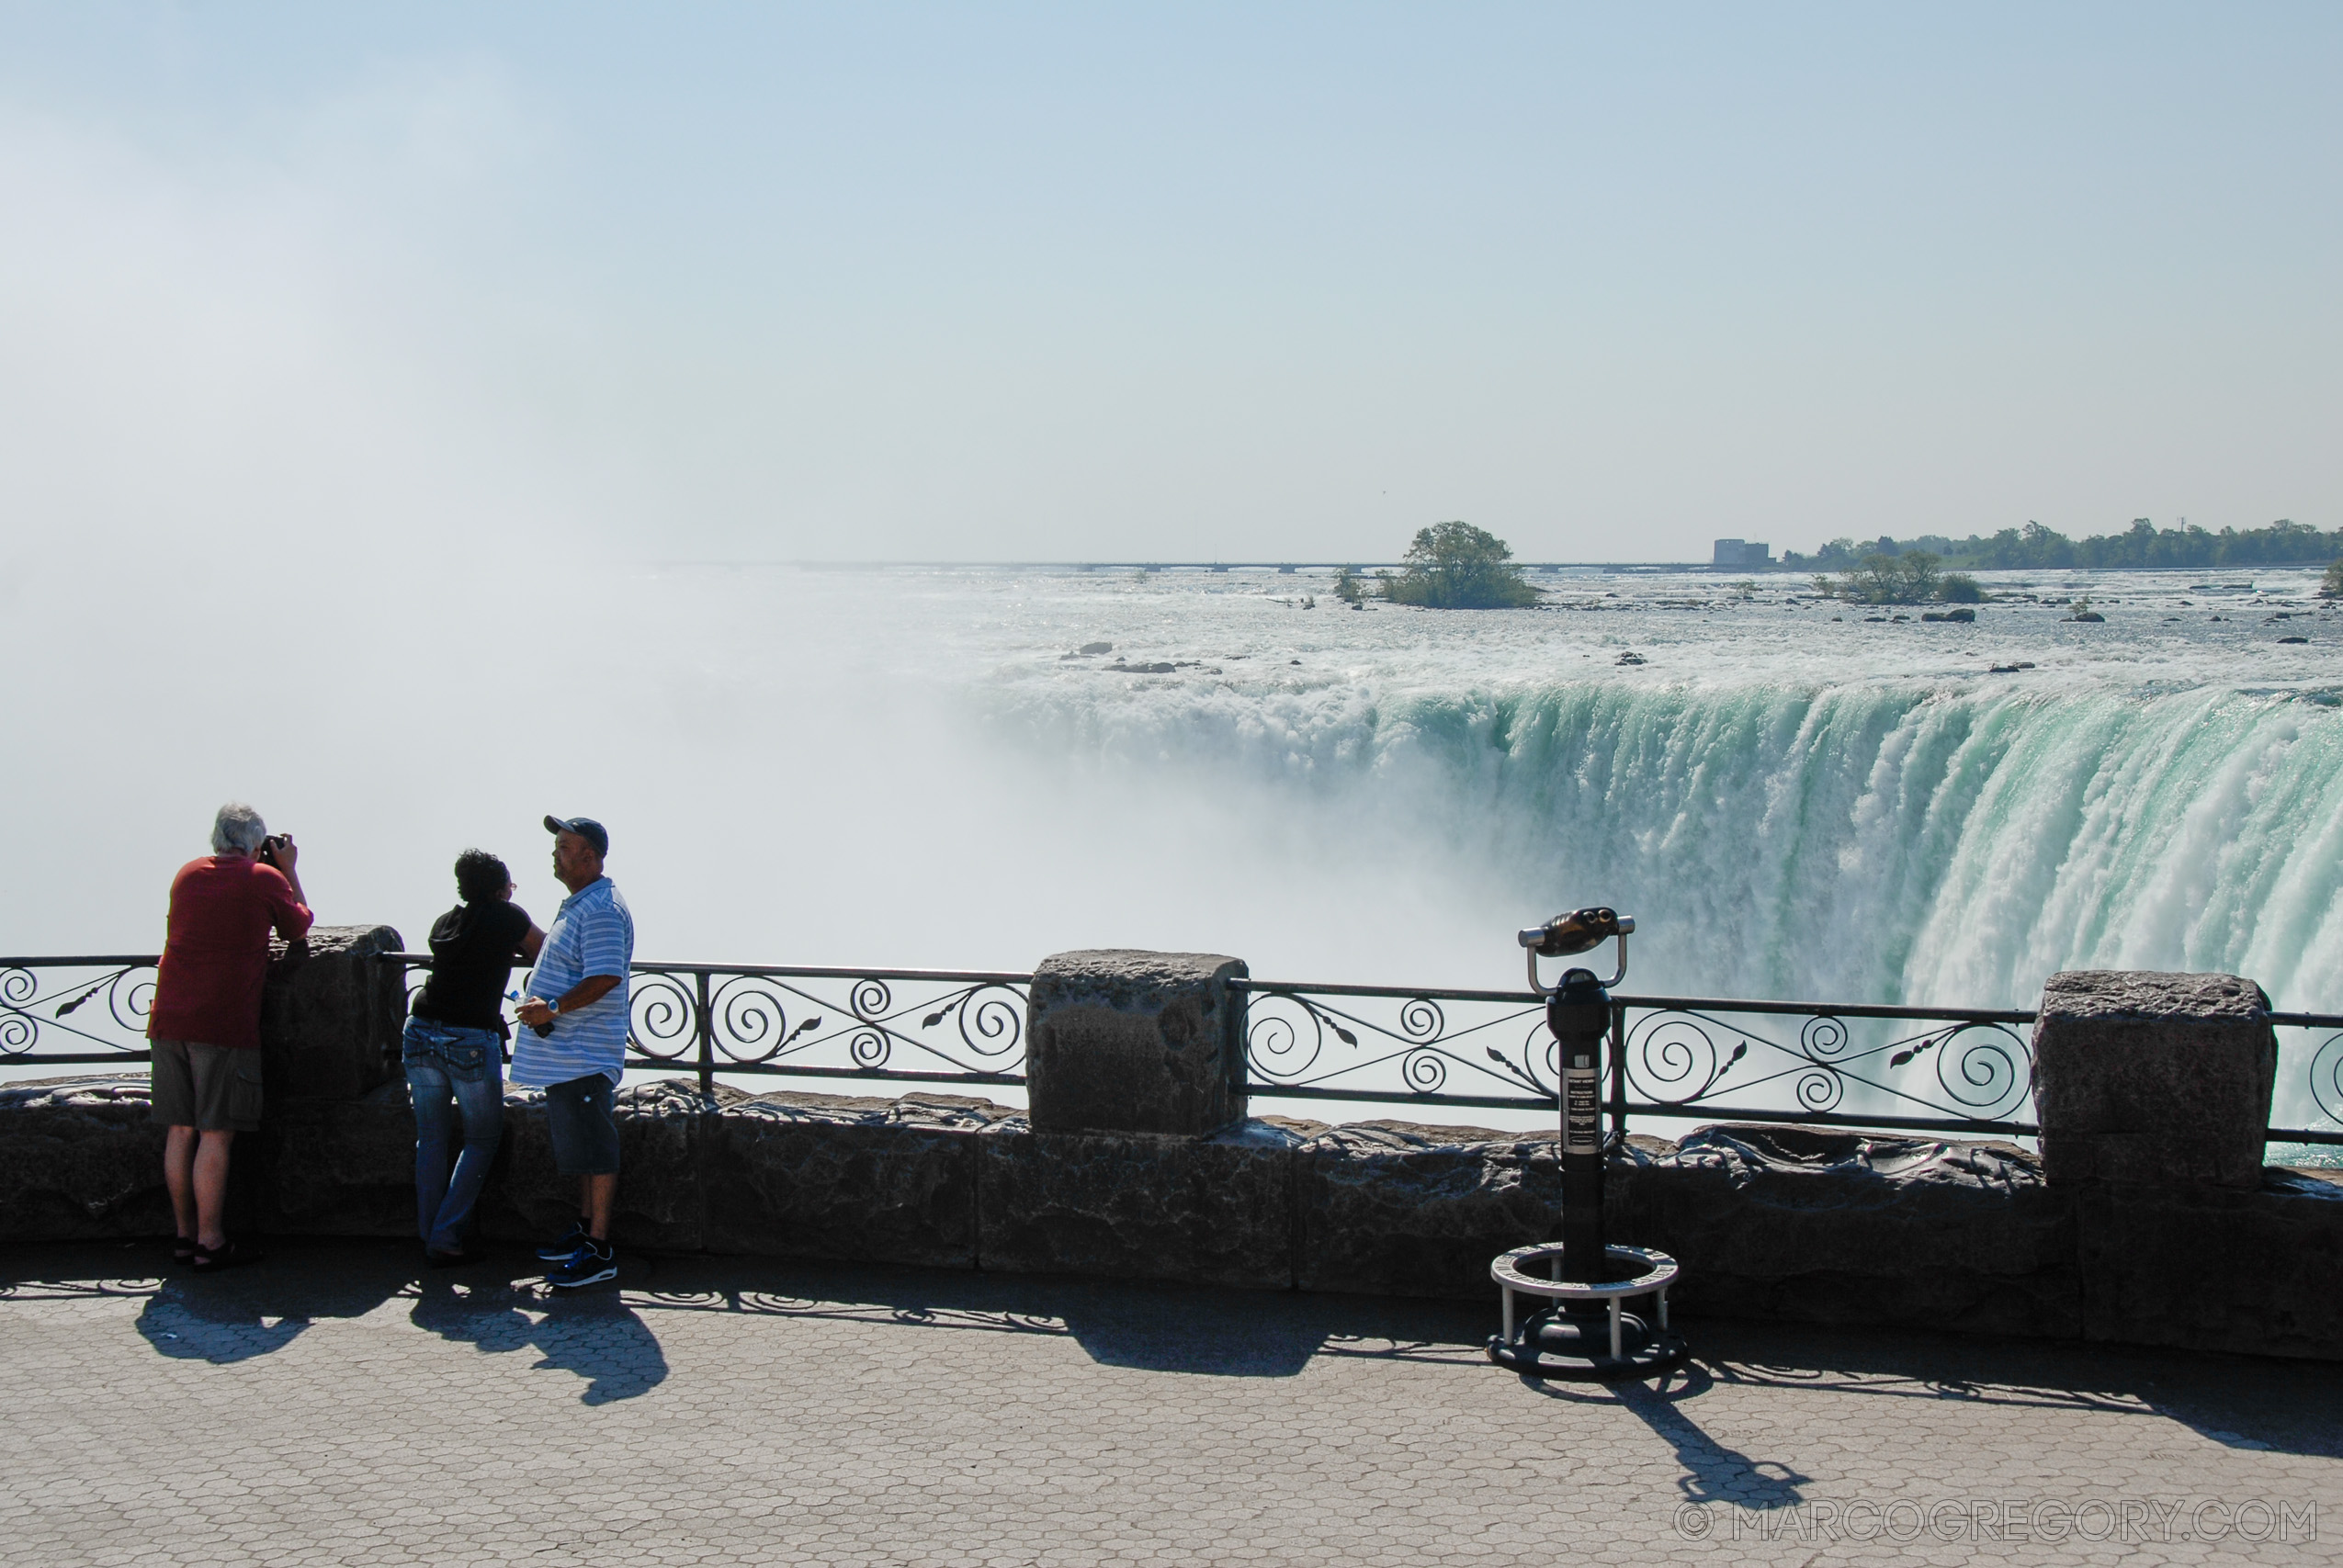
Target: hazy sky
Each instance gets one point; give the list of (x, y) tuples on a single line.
[(879, 282)]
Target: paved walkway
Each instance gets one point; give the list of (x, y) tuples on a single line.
[(337, 1404)]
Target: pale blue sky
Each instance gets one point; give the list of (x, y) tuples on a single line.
[(887, 282)]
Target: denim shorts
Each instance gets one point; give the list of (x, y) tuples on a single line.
[(585, 1138)]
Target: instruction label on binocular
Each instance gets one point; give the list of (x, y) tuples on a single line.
[(1580, 1133)]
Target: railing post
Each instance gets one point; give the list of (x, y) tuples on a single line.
[(707, 1021), (1123, 1041), (1619, 1073)]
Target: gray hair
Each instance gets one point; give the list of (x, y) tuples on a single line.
[(237, 831)]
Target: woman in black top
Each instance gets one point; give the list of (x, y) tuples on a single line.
[(453, 1048)]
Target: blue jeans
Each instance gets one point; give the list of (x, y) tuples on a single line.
[(452, 1073)]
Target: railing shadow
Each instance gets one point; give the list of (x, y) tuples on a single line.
[(609, 1339), (2284, 1407)]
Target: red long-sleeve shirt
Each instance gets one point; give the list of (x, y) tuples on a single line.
[(215, 957)]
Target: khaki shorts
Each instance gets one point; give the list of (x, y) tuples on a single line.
[(213, 1088)]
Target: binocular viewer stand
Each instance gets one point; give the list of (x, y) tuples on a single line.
[(1587, 1332)]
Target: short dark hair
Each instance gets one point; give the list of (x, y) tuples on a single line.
[(480, 874)]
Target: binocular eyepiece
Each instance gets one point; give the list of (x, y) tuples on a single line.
[(1580, 931)]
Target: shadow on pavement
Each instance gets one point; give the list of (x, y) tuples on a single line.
[(608, 1338), (255, 1311), (1147, 1326), (252, 1312), (2237, 1402), (1712, 1473), (595, 1335)]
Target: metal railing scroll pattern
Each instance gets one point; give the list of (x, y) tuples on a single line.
[(2310, 1078), (75, 1010), (1380, 1044), (1937, 1070), (784, 1020), (1964, 1071)]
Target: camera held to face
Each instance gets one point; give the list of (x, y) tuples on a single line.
[(268, 848)]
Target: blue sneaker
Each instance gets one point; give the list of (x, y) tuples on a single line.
[(562, 1250), (593, 1262)]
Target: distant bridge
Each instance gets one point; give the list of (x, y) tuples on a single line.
[(1280, 566)]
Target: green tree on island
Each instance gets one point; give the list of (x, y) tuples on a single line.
[(1455, 566), (1912, 578)]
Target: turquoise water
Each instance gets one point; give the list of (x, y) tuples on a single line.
[(918, 766), (1799, 802)]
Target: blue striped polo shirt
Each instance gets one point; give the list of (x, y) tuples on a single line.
[(592, 933)]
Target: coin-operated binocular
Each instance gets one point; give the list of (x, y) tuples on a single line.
[(1580, 931), (1586, 1331)]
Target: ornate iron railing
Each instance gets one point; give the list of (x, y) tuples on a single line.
[(75, 1011), (1966, 1070), (792, 1021), (1954, 1070), (2310, 1078)]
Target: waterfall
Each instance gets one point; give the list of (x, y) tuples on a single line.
[(1875, 841)]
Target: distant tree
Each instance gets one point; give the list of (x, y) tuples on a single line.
[(1959, 587), (2332, 586), (1911, 578), (1347, 588), (2036, 548), (1455, 566)]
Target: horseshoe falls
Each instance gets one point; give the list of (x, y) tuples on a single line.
[(1850, 842), (921, 767), (1794, 801)]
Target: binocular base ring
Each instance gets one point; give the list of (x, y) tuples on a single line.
[(1587, 1332), (1576, 1345)]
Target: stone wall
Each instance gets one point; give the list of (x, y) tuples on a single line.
[(1771, 1222)]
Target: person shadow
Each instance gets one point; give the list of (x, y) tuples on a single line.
[(594, 1337), (224, 1320), (248, 1314), (197, 1330)]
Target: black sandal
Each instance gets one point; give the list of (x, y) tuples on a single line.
[(183, 1249), (226, 1256)]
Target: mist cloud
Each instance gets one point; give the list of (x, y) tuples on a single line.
[(237, 352)]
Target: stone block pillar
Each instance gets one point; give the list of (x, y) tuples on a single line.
[(2152, 1080), (1123, 1041), (2153, 1094), (331, 1015)]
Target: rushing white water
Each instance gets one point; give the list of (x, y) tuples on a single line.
[(1870, 843), (906, 766), (1794, 804), (917, 767)]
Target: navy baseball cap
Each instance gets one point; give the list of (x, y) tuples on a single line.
[(586, 827)]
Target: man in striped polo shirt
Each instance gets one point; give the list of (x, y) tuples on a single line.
[(575, 1046)]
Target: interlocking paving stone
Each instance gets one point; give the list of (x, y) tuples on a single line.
[(338, 1404)]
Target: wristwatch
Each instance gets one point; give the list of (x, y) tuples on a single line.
[(554, 1007)]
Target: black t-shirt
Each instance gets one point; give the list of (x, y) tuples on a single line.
[(473, 949)]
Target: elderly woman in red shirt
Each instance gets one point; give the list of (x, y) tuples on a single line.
[(204, 1028)]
